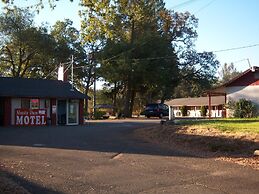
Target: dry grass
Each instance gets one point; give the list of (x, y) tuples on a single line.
[(206, 141)]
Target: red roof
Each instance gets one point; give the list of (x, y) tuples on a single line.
[(248, 77)]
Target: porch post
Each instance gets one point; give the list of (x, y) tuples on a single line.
[(53, 111), (7, 112), (209, 105), (225, 111), (81, 112)]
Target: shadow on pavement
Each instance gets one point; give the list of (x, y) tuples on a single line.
[(11, 183), (115, 137)]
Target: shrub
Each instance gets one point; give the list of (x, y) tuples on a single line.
[(204, 111), (99, 114), (184, 110), (243, 109)]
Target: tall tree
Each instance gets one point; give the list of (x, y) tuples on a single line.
[(198, 72), (23, 45), (135, 52), (227, 72)]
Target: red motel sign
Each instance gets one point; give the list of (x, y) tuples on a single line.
[(30, 117)]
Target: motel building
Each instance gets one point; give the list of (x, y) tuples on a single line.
[(243, 86), (36, 102)]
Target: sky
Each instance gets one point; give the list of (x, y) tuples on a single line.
[(223, 24)]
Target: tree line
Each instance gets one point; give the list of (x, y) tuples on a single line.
[(143, 51)]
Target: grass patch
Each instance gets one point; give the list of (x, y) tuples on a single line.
[(227, 125)]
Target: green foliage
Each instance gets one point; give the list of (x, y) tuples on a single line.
[(99, 114), (243, 109), (184, 110), (198, 73), (137, 54), (204, 111), (236, 125), (136, 45), (30, 51), (104, 96), (24, 47), (227, 72)]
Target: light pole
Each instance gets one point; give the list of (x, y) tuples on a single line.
[(94, 90)]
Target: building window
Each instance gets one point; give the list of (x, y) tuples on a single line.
[(25, 103), (47, 103), (35, 103), (72, 110)]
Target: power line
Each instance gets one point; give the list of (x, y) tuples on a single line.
[(170, 57), (126, 51), (239, 61), (236, 48), (234, 62), (183, 4), (204, 7), (141, 59)]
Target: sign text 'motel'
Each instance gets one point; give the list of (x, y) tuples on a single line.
[(30, 117)]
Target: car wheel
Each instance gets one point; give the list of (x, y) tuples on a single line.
[(148, 117)]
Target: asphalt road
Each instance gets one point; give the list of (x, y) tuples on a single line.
[(104, 157)]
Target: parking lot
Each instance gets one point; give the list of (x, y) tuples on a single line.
[(104, 157)]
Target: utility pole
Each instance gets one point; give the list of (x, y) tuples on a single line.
[(72, 72), (94, 89), (248, 62)]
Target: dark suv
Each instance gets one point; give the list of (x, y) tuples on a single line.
[(156, 110)]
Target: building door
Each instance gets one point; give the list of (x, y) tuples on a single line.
[(73, 112), (1, 111), (62, 112)]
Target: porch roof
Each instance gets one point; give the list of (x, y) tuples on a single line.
[(38, 88), (199, 101)]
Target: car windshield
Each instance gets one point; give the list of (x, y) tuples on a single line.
[(151, 106)]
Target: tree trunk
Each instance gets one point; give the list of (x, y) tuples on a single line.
[(127, 108), (86, 93), (88, 83), (126, 111), (114, 100), (132, 100), (86, 100)]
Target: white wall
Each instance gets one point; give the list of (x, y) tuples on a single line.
[(238, 92), (15, 103), (248, 92), (216, 113), (197, 113)]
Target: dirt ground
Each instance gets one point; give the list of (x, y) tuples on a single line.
[(205, 142)]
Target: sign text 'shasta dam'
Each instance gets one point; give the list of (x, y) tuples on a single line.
[(30, 117)]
